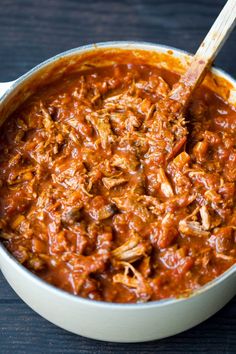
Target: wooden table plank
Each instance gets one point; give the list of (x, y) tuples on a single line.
[(34, 30), (31, 31)]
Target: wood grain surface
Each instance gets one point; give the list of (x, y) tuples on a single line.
[(34, 30)]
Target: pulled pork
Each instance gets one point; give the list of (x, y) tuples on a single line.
[(104, 195)]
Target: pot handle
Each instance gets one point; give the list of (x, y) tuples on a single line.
[(4, 87)]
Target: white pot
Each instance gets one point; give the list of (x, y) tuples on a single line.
[(96, 319)]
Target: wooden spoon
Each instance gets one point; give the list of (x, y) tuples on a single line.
[(205, 54)]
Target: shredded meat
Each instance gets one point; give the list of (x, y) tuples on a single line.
[(110, 182), (108, 192), (134, 248)]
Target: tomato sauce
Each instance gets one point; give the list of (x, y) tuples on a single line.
[(107, 194)]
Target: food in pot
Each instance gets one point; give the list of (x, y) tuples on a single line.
[(107, 193)]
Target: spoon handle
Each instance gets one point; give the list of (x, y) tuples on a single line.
[(206, 53)]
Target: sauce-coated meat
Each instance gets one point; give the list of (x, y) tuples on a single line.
[(105, 195)]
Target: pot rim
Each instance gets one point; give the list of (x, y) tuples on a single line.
[(139, 45), (4, 253)]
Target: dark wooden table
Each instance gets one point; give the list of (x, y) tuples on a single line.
[(34, 30)]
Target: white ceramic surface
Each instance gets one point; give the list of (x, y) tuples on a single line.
[(105, 321)]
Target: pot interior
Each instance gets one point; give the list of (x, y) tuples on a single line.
[(106, 54)]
